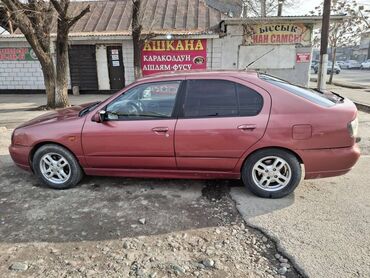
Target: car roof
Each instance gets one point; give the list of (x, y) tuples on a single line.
[(200, 73)]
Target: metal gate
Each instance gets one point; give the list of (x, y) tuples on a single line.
[(82, 67)]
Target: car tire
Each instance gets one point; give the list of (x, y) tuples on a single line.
[(56, 167), (253, 174)]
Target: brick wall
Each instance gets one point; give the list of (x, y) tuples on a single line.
[(21, 75)]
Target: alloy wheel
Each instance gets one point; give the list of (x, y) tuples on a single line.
[(271, 173), (55, 168)]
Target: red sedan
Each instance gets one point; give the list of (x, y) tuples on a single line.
[(201, 125)]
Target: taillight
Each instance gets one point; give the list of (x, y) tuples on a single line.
[(353, 127)]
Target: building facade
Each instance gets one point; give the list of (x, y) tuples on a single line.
[(187, 36)]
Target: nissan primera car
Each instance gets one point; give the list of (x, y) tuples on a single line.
[(200, 125)]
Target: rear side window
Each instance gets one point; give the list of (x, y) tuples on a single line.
[(309, 94), (250, 102), (220, 98), (210, 98)]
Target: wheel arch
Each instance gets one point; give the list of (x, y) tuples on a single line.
[(43, 143)]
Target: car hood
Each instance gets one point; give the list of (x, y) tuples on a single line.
[(57, 115)]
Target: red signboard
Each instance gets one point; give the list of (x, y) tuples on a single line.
[(17, 54), (173, 55), (303, 57)]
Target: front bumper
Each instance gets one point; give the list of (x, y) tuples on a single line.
[(20, 156), (324, 163)]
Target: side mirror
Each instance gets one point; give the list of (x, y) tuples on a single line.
[(99, 117)]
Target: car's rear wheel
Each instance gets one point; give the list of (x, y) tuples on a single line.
[(56, 167), (271, 173)]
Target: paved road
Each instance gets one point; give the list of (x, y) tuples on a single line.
[(324, 226), (356, 76)]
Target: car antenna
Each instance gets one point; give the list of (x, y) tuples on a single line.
[(251, 63)]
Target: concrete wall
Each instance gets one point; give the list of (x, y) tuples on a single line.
[(102, 67), (214, 54), (281, 62), (128, 61)]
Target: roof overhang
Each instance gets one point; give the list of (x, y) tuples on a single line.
[(274, 19), (115, 36)]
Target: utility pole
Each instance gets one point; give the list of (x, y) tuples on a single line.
[(323, 66), (280, 7), (263, 8)]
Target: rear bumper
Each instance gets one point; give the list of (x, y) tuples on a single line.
[(20, 155), (329, 162)]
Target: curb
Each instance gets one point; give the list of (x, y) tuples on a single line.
[(362, 107), (343, 84)]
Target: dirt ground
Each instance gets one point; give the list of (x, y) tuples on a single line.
[(116, 227)]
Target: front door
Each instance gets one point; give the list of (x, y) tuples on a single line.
[(115, 67), (221, 120), (138, 131)]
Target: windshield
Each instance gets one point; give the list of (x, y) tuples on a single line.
[(315, 96)]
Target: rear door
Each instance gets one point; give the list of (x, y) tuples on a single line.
[(220, 120)]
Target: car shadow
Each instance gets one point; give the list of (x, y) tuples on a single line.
[(104, 208)]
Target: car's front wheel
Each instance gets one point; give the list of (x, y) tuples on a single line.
[(56, 167), (271, 173)]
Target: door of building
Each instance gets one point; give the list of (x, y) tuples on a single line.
[(82, 65), (115, 67)]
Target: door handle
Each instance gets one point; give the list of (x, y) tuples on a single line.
[(247, 127), (160, 129)]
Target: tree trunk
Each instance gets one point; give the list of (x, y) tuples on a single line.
[(49, 82), (137, 59), (333, 57), (136, 38), (61, 91), (48, 71)]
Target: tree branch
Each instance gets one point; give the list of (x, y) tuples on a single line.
[(57, 7), (78, 17)]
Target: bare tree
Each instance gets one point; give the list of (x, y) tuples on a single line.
[(65, 22), (34, 19), (346, 32), (139, 37), (263, 8)]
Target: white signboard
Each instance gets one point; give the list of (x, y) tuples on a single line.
[(281, 57)]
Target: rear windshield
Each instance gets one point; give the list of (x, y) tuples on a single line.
[(315, 96)]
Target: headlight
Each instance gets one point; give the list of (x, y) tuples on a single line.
[(353, 127)]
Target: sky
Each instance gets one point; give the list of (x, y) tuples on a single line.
[(302, 7)]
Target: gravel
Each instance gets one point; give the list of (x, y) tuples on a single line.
[(194, 253)]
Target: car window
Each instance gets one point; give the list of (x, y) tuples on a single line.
[(210, 98), (250, 102), (309, 94), (146, 101), (220, 98)]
